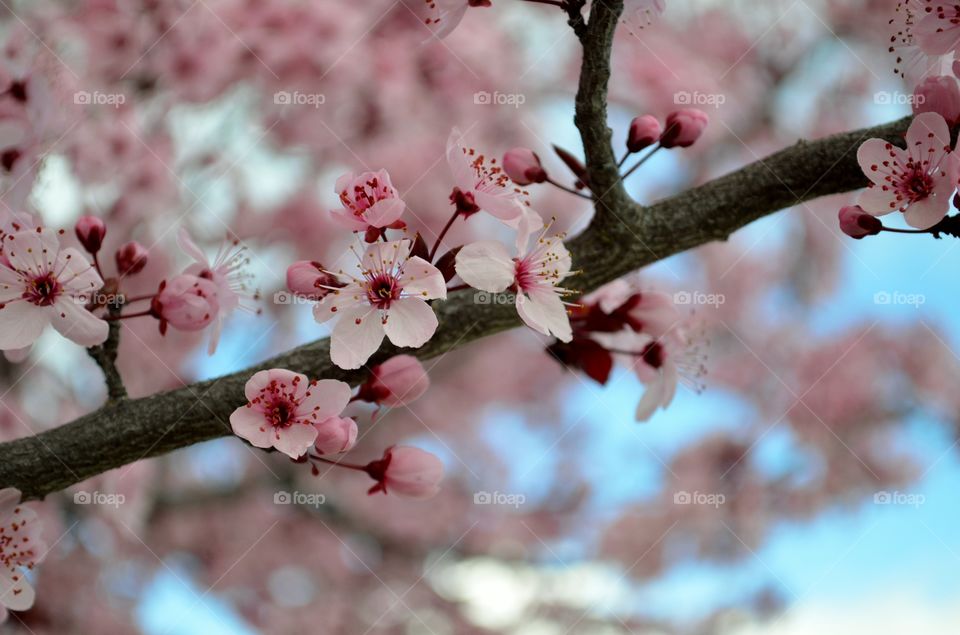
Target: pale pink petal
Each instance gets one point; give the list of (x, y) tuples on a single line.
[(295, 440), (507, 208), (336, 435), (15, 592), (876, 201), (356, 337), (545, 312), (77, 274), (410, 322), (347, 220), (34, 251), (74, 322), (653, 398), (282, 376), (422, 279), (382, 256), (21, 323), (871, 155), (190, 248), (928, 136), (9, 499), (463, 174), (250, 424), (384, 212), (338, 302), (327, 398), (486, 265), (926, 213)]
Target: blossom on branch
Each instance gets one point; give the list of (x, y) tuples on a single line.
[(21, 547)]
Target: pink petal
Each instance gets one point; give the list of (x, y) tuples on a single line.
[(327, 398), (21, 323), (296, 440), (74, 322), (250, 424), (356, 337), (423, 280), (190, 248), (15, 592), (35, 251), (384, 212), (410, 322), (339, 302), (543, 311), (486, 265)]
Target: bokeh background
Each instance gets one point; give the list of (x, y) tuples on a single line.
[(810, 487)]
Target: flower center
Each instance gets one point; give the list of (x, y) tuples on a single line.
[(383, 289), (917, 185), (43, 290), (524, 275), (653, 354), (281, 414)]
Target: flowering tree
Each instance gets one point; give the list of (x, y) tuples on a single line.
[(161, 209)]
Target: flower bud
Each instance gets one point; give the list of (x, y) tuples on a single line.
[(940, 95), (335, 435), (131, 258), (522, 165), (90, 232), (644, 131), (308, 279), (406, 471), (683, 128), (186, 302), (856, 223), (396, 382)]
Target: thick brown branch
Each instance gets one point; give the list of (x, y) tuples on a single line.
[(622, 238)]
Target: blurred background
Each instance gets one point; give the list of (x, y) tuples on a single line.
[(811, 487)]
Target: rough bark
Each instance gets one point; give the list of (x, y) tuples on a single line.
[(622, 237)]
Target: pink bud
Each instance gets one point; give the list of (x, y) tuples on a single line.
[(940, 95), (307, 278), (396, 382), (335, 435), (90, 232), (186, 302), (856, 223), (522, 165), (644, 131), (683, 128), (406, 471), (131, 258)]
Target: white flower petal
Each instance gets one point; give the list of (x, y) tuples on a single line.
[(486, 265), (356, 337), (410, 322)]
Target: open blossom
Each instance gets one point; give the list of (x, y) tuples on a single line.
[(227, 273), (369, 201), (534, 274), (938, 31), (40, 284), (388, 298), (481, 184), (406, 471), (284, 410), (396, 382), (186, 302), (21, 547), (917, 181)]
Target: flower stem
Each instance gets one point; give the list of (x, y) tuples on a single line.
[(443, 232), (568, 189), (351, 466), (641, 161), (128, 315)]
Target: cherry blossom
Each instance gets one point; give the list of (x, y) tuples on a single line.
[(284, 411), (917, 181), (335, 435), (40, 284), (186, 302), (388, 298), (445, 15), (523, 166), (940, 95), (481, 184), (406, 471), (370, 202), (226, 271), (533, 274), (21, 547), (396, 382)]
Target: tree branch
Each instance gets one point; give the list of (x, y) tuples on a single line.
[(622, 238)]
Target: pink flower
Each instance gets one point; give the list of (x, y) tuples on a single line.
[(396, 382), (90, 231), (918, 181), (523, 166), (639, 14), (938, 31), (335, 435), (369, 201), (644, 132), (284, 410), (661, 365), (21, 546), (683, 128), (308, 278), (940, 95), (486, 265), (226, 272), (389, 298), (186, 302), (483, 185), (40, 284), (856, 223), (406, 471)]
